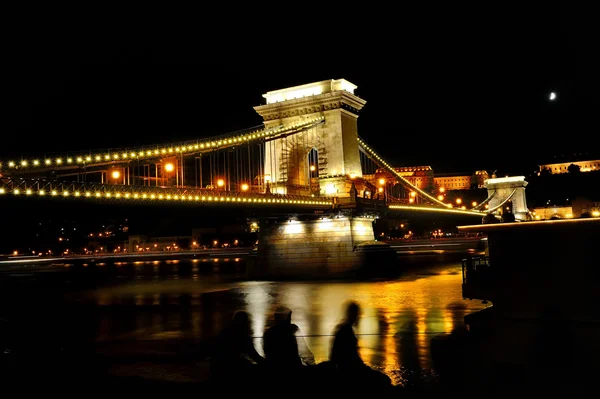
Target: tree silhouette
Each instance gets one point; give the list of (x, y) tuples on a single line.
[(508, 217), (574, 168), (545, 172)]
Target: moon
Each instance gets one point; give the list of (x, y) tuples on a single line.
[(552, 96)]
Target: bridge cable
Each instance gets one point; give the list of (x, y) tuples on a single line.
[(384, 165), (249, 167), (485, 201), (503, 202)]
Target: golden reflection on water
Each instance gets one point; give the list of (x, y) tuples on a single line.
[(258, 305), (399, 318), (422, 338), (368, 333)]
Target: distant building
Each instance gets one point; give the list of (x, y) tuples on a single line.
[(453, 182), (423, 177), (420, 176), (578, 208), (553, 212), (585, 206), (480, 177), (563, 167)]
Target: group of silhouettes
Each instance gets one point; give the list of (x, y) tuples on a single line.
[(287, 358)]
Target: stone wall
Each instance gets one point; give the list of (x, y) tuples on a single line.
[(316, 248)]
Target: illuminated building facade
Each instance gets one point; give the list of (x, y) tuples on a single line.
[(424, 178), (578, 208), (419, 176), (563, 167), (552, 212), (460, 182)]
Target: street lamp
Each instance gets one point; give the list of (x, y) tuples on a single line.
[(115, 174), (220, 183), (245, 187), (169, 167)]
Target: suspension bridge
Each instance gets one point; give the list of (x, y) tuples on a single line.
[(307, 154)]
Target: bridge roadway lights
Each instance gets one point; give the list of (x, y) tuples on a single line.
[(316, 247)]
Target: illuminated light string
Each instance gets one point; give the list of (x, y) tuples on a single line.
[(126, 154), (391, 170), (429, 209), (168, 197)]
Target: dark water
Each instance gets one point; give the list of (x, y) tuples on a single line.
[(158, 312)]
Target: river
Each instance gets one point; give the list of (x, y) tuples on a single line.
[(161, 311)]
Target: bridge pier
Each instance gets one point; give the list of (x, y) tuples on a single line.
[(327, 247), (511, 188)]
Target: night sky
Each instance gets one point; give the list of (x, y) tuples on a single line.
[(455, 88)]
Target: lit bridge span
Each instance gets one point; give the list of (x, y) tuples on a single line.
[(306, 154)]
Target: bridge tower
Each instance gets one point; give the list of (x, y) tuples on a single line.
[(505, 188), (320, 160)]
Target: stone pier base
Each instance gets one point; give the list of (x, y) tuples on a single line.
[(329, 247)]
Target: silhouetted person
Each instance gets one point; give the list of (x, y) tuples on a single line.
[(234, 354), (344, 354), (285, 348)]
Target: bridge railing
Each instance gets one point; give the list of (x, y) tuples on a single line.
[(42, 187)]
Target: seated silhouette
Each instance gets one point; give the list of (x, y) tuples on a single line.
[(344, 357), (286, 351), (234, 356)]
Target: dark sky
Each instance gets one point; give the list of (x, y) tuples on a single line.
[(455, 88)]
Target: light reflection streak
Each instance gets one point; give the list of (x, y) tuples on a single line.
[(448, 321), (297, 298), (422, 338), (368, 334), (331, 299), (258, 303)]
